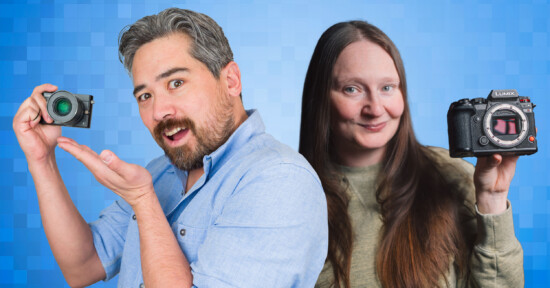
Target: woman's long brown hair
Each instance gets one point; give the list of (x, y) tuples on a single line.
[(421, 234)]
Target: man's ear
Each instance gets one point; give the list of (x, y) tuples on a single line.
[(233, 76)]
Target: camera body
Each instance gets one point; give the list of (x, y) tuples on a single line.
[(504, 123), (68, 109)]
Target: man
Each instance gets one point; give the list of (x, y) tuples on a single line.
[(227, 206)]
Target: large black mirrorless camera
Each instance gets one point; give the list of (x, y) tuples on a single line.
[(68, 109), (504, 123)]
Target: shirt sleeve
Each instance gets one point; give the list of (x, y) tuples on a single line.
[(497, 257), (271, 232), (109, 234)]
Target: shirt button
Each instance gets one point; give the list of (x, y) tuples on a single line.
[(134, 217), (182, 232), (141, 285)]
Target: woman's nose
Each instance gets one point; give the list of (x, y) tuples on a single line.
[(373, 106)]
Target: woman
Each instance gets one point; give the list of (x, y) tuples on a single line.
[(400, 214)]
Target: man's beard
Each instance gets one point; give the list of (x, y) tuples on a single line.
[(218, 127)]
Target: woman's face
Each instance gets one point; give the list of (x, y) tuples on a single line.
[(367, 103)]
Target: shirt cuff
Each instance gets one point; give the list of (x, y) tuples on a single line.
[(496, 231), (111, 266)]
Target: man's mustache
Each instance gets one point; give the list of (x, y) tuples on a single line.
[(172, 123)]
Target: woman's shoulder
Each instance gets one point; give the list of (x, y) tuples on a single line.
[(457, 172), (449, 167)]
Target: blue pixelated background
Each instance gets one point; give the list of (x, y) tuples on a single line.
[(451, 49)]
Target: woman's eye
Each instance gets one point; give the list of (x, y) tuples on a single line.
[(143, 97), (175, 84), (350, 90), (387, 88)]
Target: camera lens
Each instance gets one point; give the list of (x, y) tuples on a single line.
[(62, 106)]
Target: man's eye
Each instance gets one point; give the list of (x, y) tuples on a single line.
[(175, 84), (386, 88), (143, 97)]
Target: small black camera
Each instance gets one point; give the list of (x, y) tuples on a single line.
[(68, 109), (504, 123)]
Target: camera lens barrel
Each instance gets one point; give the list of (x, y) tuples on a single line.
[(64, 107)]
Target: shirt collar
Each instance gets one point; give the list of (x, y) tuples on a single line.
[(251, 127)]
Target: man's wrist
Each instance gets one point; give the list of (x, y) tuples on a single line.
[(145, 200), (46, 165)]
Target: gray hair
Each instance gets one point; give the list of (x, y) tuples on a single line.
[(209, 43)]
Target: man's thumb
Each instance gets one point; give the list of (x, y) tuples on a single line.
[(111, 160)]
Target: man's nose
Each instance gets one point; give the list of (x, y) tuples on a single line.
[(163, 107)]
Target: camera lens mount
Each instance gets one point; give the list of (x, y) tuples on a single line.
[(63, 107), (507, 137)]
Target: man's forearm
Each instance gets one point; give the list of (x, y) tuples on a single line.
[(162, 260), (69, 236)]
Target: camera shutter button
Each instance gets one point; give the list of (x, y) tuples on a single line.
[(483, 140)]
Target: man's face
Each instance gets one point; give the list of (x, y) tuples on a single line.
[(186, 109)]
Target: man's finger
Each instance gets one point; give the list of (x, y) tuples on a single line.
[(37, 115), (62, 139), (33, 116), (41, 101), (42, 110), (89, 159), (114, 163), (24, 118)]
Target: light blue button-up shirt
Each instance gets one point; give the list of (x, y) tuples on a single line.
[(256, 218)]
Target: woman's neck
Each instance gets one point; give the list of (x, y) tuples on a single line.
[(353, 156)]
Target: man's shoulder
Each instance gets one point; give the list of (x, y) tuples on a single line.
[(265, 151)]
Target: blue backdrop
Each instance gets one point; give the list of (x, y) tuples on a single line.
[(451, 50)]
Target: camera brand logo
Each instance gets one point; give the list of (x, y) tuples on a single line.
[(504, 93)]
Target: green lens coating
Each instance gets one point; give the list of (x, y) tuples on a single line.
[(63, 106)]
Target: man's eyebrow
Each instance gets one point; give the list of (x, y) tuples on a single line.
[(171, 71), (162, 75), (138, 88)]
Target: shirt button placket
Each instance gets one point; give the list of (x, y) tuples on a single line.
[(182, 232), (141, 285), (134, 217)]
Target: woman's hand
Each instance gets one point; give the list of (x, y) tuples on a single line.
[(492, 179)]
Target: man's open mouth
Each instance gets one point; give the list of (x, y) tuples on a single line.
[(175, 134)]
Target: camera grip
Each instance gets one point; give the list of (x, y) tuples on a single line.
[(459, 130)]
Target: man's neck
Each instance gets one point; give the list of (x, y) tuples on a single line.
[(195, 174), (192, 178)]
